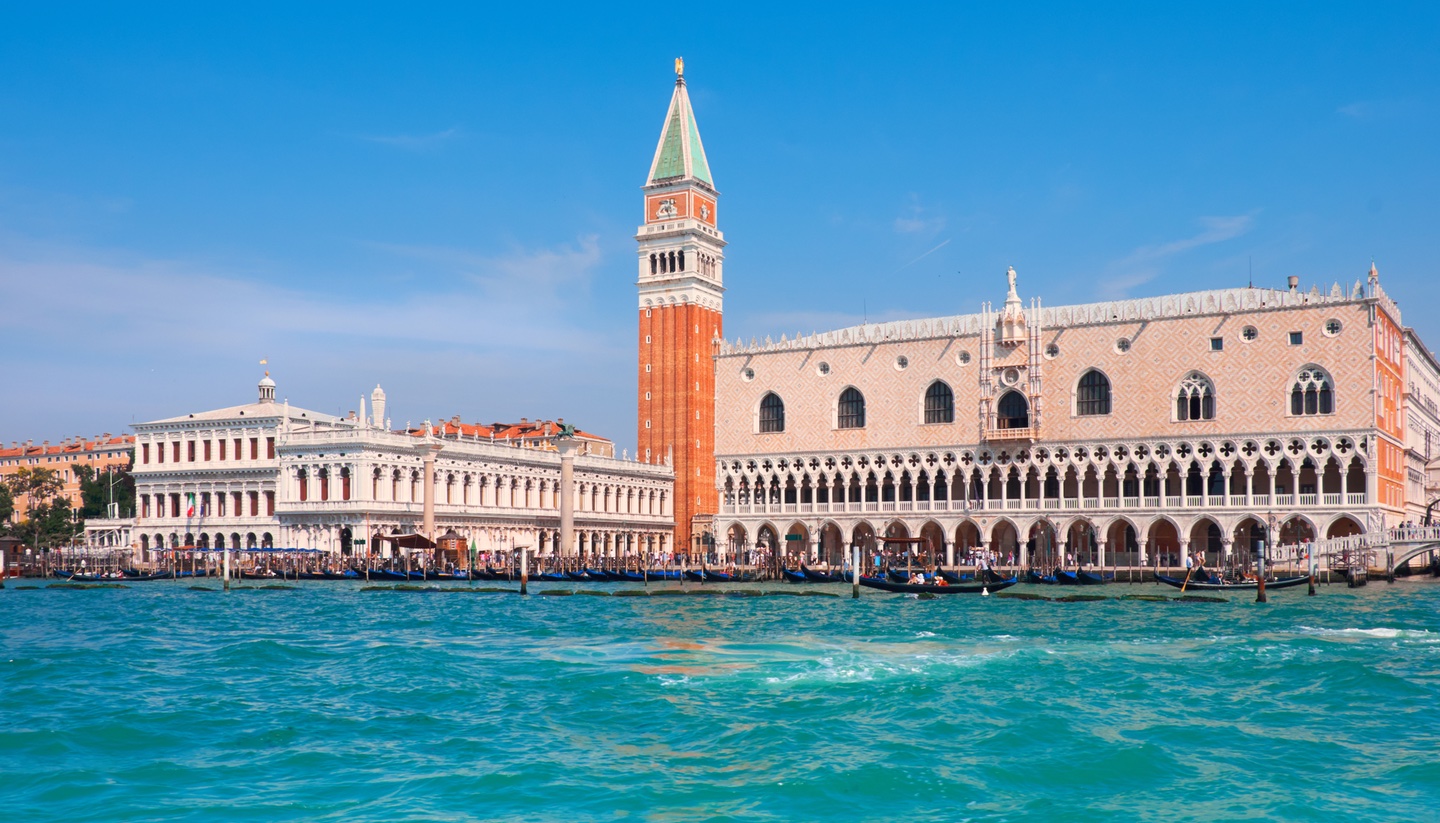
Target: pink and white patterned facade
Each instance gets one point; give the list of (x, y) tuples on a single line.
[(1114, 432)]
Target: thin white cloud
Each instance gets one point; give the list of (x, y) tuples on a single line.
[(142, 339), (549, 273), (159, 302), (414, 142), (918, 220), (1147, 262)]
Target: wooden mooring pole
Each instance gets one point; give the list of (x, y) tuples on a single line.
[(524, 571), (1260, 576), (855, 572)]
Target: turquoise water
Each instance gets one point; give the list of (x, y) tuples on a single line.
[(328, 703)]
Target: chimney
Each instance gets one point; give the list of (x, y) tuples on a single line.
[(1294, 282), (524, 420)]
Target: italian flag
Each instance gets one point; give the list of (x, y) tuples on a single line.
[(189, 504)]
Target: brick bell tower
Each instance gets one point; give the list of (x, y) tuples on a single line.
[(681, 261)]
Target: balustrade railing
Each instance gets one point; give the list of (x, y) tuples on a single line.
[(1192, 501)]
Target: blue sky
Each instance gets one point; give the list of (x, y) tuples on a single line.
[(443, 202)]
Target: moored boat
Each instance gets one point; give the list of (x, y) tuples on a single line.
[(821, 577), (931, 588), (1210, 584), (1032, 576)]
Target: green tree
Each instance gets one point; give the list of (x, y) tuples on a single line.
[(97, 489), (7, 503), (39, 487)]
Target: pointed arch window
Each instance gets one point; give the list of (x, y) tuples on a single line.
[(852, 409), (1092, 396), (772, 414), (1195, 400), (939, 403), (1312, 392), (1013, 411)]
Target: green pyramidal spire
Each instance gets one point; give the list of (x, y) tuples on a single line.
[(680, 153)]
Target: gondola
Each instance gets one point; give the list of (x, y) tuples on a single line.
[(550, 577), (665, 574), (930, 588), (632, 577), (76, 577), (601, 576), (821, 577), (694, 575), (1064, 578), (386, 574), (1032, 576), (1211, 585), (1093, 579), (794, 576), (898, 576), (955, 578), (720, 577)]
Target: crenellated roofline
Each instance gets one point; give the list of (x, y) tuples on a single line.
[(1187, 304)]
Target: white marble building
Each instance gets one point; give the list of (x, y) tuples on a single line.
[(267, 474)]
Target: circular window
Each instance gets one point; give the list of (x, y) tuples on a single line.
[(901, 363), (963, 358), (747, 374), (822, 369), (1249, 333), (1010, 376), (1332, 327), (1122, 345), (1052, 351)]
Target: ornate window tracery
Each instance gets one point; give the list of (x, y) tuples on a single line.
[(1312, 392), (1195, 400)]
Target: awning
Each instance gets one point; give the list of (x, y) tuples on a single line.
[(408, 541)]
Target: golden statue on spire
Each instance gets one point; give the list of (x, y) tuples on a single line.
[(680, 66)]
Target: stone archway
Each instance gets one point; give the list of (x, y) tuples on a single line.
[(1122, 542), (1042, 545), (1163, 542), (863, 535), (737, 539), (1296, 530), (1005, 542), (1081, 541), (1344, 526), (796, 544), (1208, 540), (832, 545), (935, 547)]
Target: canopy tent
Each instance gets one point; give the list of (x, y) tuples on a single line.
[(408, 541)]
